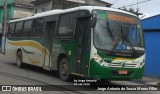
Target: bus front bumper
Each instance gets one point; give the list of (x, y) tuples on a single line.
[(101, 72)]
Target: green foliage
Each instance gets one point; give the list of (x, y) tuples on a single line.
[(132, 10)]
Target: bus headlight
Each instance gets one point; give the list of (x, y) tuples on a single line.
[(96, 57), (99, 60), (139, 64)]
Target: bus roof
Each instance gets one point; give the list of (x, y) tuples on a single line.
[(54, 12)]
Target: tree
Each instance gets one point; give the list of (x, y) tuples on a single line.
[(131, 10)]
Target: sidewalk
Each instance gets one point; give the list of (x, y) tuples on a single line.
[(148, 80), (151, 80)]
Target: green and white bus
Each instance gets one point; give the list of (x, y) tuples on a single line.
[(88, 41)]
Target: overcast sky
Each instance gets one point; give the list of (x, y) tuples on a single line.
[(147, 7)]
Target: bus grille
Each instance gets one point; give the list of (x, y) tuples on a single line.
[(119, 65)]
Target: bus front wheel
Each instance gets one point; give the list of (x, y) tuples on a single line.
[(63, 69), (19, 59)]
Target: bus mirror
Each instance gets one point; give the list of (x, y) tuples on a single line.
[(93, 22)]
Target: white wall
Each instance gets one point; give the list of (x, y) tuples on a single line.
[(45, 5), (95, 2), (20, 12)]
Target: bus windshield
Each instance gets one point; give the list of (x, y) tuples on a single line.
[(117, 32)]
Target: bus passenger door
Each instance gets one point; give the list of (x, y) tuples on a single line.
[(48, 37), (82, 38)]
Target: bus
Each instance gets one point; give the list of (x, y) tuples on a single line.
[(88, 41)]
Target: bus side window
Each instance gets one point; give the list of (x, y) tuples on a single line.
[(27, 29), (38, 28), (18, 29), (67, 25), (11, 30)]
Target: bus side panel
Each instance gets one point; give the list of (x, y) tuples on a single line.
[(55, 52), (58, 48), (10, 50), (65, 47), (24, 46), (36, 53), (14, 45)]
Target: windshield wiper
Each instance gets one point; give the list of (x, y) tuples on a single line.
[(130, 43), (124, 37), (110, 32)]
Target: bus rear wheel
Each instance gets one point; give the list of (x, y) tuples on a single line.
[(19, 59), (63, 69)]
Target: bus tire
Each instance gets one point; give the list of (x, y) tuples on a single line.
[(63, 70), (19, 59)]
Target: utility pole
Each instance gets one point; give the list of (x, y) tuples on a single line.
[(5, 26), (135, 3)]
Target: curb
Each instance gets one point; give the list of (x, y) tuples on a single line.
[(146, 82), (153, 83), (138, 81), (158, 83)]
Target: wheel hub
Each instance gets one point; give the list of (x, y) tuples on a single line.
[(64, 70)]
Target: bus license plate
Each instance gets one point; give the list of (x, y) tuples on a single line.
[(122, 72)]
